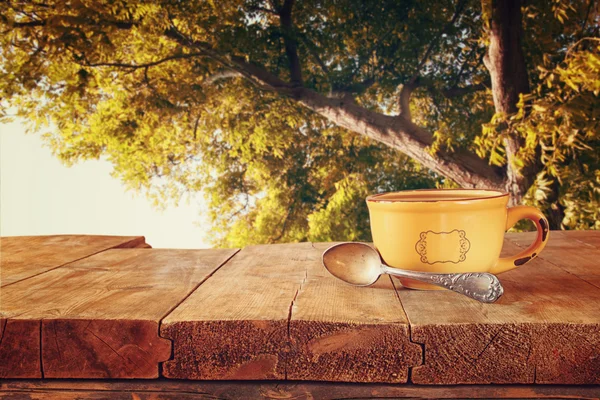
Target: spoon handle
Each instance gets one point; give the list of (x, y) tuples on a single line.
[(481, 286)]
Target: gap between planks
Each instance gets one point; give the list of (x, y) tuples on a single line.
[(160, 365), (410, 332)]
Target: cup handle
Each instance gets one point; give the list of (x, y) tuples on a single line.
[(541, 223)]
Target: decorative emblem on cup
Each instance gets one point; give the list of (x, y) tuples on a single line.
[(443, 247)]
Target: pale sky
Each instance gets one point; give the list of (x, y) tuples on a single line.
[(41, 196)]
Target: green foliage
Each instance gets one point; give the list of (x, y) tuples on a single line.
[(310, 186), (563, 115), (111, 78), (560, 121)]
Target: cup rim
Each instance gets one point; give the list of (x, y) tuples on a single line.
[(375, 197)]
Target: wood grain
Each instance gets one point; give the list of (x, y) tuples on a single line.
[(22, 257), (545, 329), (576, 252), (235, 326), (275, 313), (100, 315), (587, 237), (174, 389), (339, 332), (20, 349)]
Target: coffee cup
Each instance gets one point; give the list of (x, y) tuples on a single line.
[(449, 231)]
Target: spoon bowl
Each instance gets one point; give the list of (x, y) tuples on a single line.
[(355, 263)]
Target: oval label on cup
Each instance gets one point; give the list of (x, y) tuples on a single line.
[(443, 247)]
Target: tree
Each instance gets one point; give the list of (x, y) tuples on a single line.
[(287, 113)]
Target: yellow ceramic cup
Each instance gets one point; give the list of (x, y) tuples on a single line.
[(449, 230)]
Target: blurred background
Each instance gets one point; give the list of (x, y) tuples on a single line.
[(41, 196), (205, 123)]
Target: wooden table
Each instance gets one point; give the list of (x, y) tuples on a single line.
[(101, 309)]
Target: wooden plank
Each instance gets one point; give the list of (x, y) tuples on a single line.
[(20, 349), (587, 237), (22, 257), (173, 389), (100, 315), (573, 251), (235, 325), (339, 332), (275, 313), (545, 329)]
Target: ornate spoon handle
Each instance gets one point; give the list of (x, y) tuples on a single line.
[(481, 286)]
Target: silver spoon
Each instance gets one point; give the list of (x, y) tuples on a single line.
[(359, 264)]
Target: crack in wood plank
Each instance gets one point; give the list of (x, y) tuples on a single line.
[(488, 345), (397, 286), (243, 335), (109, 346), (4, 322), (289, 320), (207, 277), (343, 333)]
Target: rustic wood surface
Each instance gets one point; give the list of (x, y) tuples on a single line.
[(20, 349), (235, 326), (25, 256), (339, 332), (577, 252), (100, 316), (545, 329), (273, 313), (224, 390)]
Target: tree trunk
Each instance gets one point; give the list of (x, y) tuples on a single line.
[(506, 64)]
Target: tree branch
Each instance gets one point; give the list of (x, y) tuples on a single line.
[(28, 24), (587, 15), (466, 62), (464, 167), (145, 65), (255, 74), (461, 91), (357, 88), (404, 100), (38, 22), (408, 87), (284, 225)]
